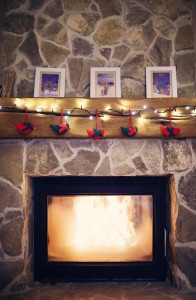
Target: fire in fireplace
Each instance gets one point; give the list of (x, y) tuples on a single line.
[(100, 228)]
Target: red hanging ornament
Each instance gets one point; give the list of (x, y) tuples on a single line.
[(96, 133), (61, 128), (26, 127), (170, 131), (130, 131)]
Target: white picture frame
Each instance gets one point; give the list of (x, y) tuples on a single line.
[(161, 82), (49, 82), (105, 82)]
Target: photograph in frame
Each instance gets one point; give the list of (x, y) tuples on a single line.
[(105, 83), (49, 82), (161, 82)]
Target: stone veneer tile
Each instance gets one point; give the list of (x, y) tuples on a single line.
[(109, 8), (9, 270), (11, 162), (184, 38), (186, 260), (109, 32), (83, 164), (11, 237), (187, 188), (177, 155), (118, 154), (152, 156), (9, 197), (186, 225), (104, 169), (40, 158), (30, 48)]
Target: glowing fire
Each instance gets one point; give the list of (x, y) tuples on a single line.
[(100, 228), (107, 219)]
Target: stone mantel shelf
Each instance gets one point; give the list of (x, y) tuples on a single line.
[(148, 125)]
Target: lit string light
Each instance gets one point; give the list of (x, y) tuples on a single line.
[(189, 112)]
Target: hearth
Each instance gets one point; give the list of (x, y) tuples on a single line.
[(100, 228)]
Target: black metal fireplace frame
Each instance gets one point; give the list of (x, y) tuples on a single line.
[(93, 185)]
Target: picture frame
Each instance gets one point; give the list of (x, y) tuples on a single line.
[(161, 82), (49, 82), (105, 82)]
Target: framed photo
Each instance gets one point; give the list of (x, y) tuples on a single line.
[(49, 82), (105, 83), (161, 82)]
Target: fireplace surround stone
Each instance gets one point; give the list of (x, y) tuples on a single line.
[(20, 160)]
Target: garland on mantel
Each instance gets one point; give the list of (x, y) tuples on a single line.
[(169, 131), (81, 112)]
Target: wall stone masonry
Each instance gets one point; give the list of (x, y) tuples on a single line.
[(103, 158), (129, 34), (78, 35)]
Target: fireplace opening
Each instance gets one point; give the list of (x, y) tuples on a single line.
[(100, 228)]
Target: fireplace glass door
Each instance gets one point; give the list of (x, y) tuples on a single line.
[(100, 228)]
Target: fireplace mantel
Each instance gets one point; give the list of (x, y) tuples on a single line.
[(46, 111)]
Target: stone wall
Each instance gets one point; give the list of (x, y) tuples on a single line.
[(20, 160), (78, 35)]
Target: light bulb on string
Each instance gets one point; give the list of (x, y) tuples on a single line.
[(144, 106), (133, 113), (68, 112), (155, 111), (187, 107), (91, 117)]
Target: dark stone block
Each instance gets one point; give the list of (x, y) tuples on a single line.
[(75, 70), (9, 270), (109, 8), (82, 47), (10, 215), (56, 33), (187, 188), (9, 197), (36, 4), (25, 89), (185, 67), (13, 4), (18, 23), (135, 15), (140, 165), (11, 237), (186, 261), (186, 225), (187, 91), (161, 52), (185, 38), (54, 9), (31, 50), (134, 66), (121, 52), (54, 55), (105, 52), (76, 5), (9, 45)]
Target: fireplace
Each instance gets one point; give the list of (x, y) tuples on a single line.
[(100, 228)]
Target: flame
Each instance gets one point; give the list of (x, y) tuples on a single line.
[(100, 228)]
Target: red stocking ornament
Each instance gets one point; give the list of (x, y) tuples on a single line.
[(130, 131), (170, 131), (26, 127), (61, 128), (96, 133)]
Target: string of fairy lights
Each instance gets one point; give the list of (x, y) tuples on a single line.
[(179, 112)]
